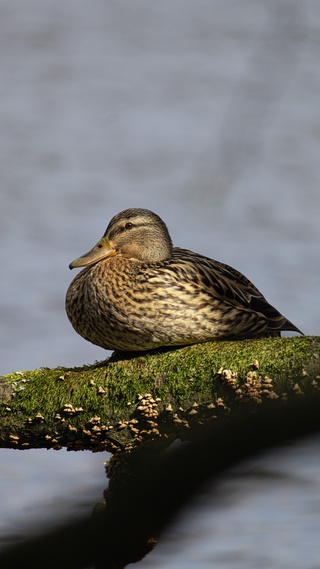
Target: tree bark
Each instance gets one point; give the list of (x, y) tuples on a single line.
[(137, 398)]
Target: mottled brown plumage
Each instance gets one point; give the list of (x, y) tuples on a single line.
[(138, 292)]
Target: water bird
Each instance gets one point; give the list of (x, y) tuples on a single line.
[(138, 292)]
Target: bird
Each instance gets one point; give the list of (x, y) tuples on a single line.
[(137, 292)]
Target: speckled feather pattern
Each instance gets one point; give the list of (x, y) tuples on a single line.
[(127, 304)]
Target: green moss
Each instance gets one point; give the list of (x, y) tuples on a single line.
[(187, 374), (193, 371)]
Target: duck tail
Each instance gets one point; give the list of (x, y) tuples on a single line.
[(287, 325)]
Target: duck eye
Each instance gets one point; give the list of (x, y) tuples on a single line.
[(128, 225)]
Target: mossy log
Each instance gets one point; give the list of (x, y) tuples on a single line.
[(155, 396), (142, 402)]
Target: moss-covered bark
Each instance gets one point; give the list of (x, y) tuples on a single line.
[(156, 396)]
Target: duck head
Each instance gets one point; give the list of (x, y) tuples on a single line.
[(134, 234)]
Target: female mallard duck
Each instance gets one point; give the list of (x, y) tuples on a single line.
[(138, 292)]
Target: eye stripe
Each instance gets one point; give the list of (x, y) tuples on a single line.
[(118, 229)]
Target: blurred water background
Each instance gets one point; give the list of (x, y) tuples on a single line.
[(206, 112)]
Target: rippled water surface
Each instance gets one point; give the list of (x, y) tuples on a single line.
[(207, 113)]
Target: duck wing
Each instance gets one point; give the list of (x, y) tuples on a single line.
[(226, 283)]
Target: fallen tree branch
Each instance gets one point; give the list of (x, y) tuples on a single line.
[(156, 396), (159, 485)]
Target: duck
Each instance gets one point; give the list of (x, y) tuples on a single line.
[(138, 292)]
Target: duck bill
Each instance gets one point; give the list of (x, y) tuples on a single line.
[(101, 250)]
